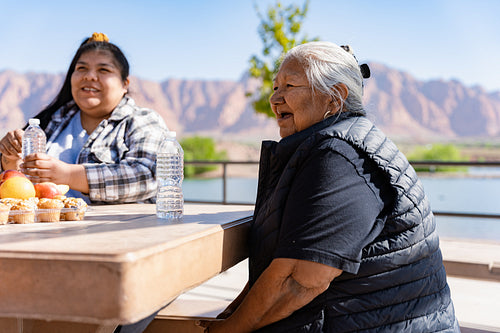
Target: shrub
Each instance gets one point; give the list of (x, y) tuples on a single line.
[(437, 152), (198, 148)]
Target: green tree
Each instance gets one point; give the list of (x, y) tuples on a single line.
[(279, 31), (198, 148), (437, 152)]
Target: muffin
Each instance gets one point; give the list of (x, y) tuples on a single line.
[(4, 213), (49, 210), (10, 201), (22, 212), (74, 209), (34, 200)]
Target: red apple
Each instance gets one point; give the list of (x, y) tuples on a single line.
[(10, 173), (47, 190)]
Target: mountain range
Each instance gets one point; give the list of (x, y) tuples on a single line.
[(402, 106)]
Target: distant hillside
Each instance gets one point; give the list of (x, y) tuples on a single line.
[(398, 103), (404, 106)]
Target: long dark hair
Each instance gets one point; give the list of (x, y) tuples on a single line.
[(64, 96)]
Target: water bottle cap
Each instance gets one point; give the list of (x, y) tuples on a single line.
[(171, 134), (34, 121)]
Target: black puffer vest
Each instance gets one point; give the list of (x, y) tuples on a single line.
[(401, 282)]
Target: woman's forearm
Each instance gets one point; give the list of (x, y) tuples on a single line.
[(78, 178), (121, 182), (278, 292)]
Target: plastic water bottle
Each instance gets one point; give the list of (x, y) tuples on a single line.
[(34, 139), (169, 176)]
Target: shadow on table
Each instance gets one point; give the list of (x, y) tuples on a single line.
[(101, 223)]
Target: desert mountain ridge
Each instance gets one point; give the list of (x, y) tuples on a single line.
[(402, 106)]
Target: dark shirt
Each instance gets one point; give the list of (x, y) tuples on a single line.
[(332, 208)]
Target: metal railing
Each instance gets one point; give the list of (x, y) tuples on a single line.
[(224, 180), (431, 164)]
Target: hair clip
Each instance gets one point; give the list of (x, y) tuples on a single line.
[(98, 37), (347, 48), (365, 70)]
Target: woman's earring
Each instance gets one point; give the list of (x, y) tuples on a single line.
[(327, 113)]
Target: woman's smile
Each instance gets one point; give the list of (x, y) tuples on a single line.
[(89, 92), (89, 89), (284, 115)]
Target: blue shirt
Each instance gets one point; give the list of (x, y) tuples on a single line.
[(67, 146)]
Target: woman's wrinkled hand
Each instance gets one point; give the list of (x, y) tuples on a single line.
[(212, 326), (226, 313), (40, 167), (11, 149)]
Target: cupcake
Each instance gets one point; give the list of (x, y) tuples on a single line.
[(49, 210), (22, 212), (10, 201), (74, 209), (34, 200), (4, 213)]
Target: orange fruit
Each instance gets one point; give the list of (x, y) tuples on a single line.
[(17, 187)]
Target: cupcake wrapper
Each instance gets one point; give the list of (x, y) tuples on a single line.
[(22, 216), (44, 215), (4, 217), (48, 215), (72, 214)]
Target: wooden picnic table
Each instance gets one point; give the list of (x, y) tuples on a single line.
[(119, 265)]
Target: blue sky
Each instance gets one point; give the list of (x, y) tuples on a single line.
[(214, 39)]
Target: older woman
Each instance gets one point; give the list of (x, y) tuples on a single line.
[(343, 238), (99, 142)]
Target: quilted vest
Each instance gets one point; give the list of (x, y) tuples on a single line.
[(401, 282)]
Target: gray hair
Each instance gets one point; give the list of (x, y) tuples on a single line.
[(327, 64)]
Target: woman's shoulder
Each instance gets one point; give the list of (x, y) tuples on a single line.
[(352, 132), (143, 113), (131, 107), (339, 147), (137, 115)]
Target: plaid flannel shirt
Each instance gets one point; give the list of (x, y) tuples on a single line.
[(120, 154)]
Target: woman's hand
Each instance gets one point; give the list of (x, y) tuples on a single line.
[(41, 167), (226, 313), (234, 304), (212, 326), (11, 149)]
